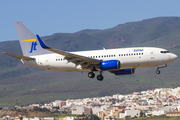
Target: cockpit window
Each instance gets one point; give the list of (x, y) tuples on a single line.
[(164, 51)]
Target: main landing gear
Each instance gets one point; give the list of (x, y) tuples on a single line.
[(158, 71), (92, 75)]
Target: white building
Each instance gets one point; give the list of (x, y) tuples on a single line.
[(96, 110), (157, 113), (71, 118), (56, 103), (121, 115), (78, 110), (132, 113)]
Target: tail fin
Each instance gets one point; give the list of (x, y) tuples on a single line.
[(29, 44)]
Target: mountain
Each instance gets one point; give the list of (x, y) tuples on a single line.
[(22, 85)]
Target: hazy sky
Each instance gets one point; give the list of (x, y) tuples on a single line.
[(45, 17)]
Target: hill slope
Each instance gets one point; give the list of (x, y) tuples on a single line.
[(22, 85)]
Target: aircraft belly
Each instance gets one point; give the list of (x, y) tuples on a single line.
[(155, 62), (64, 66)]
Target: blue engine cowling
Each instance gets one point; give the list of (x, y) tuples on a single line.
[(110, 65), (127, 71)]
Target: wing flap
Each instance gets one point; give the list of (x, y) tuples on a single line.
[(19, 56)]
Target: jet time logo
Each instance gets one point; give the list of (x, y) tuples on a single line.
[(138, 50), (33, 47)]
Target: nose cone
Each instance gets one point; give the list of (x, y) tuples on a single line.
[(174, 57)]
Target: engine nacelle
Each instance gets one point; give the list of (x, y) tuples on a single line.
[(110, 65), (127, 71)]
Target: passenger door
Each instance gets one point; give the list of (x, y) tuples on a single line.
[(152, 54), (47, 61)]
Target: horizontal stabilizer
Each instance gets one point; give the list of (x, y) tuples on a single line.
[(19, 56)]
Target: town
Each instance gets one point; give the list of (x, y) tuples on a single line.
[(155, 102)]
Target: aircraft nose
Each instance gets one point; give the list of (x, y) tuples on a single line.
[(174, 57)]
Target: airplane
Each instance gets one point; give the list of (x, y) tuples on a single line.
[(122, 61)]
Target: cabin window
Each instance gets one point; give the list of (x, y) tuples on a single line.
[(121, 54), (132, 54)]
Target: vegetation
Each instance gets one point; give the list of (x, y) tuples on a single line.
[(40, 109), (62, 115), (43, 112), (21, 85)]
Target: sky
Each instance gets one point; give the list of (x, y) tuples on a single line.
[(46, 17)]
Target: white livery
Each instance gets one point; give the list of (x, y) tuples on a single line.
[(121, 61)]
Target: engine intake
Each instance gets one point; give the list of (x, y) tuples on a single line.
[(127, 71), (110, 65)]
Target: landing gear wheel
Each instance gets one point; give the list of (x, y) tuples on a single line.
[(158, 72), (91, 75), (100, 77)]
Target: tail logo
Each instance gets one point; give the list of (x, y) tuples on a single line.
[(33, 47)]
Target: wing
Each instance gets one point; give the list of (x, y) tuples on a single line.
[(19, 56), (70, 57)]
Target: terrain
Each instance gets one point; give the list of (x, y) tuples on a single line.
[(22, 85)]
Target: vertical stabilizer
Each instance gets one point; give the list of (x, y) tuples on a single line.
[(29, 44)]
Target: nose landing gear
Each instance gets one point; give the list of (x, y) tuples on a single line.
[(162, 66), (158, 71)]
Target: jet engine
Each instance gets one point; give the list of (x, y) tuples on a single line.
[(110, 65), (127, 71)]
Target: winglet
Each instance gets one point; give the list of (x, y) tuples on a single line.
[(43, 45)]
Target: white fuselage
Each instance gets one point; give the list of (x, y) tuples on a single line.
[(137, 57)]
